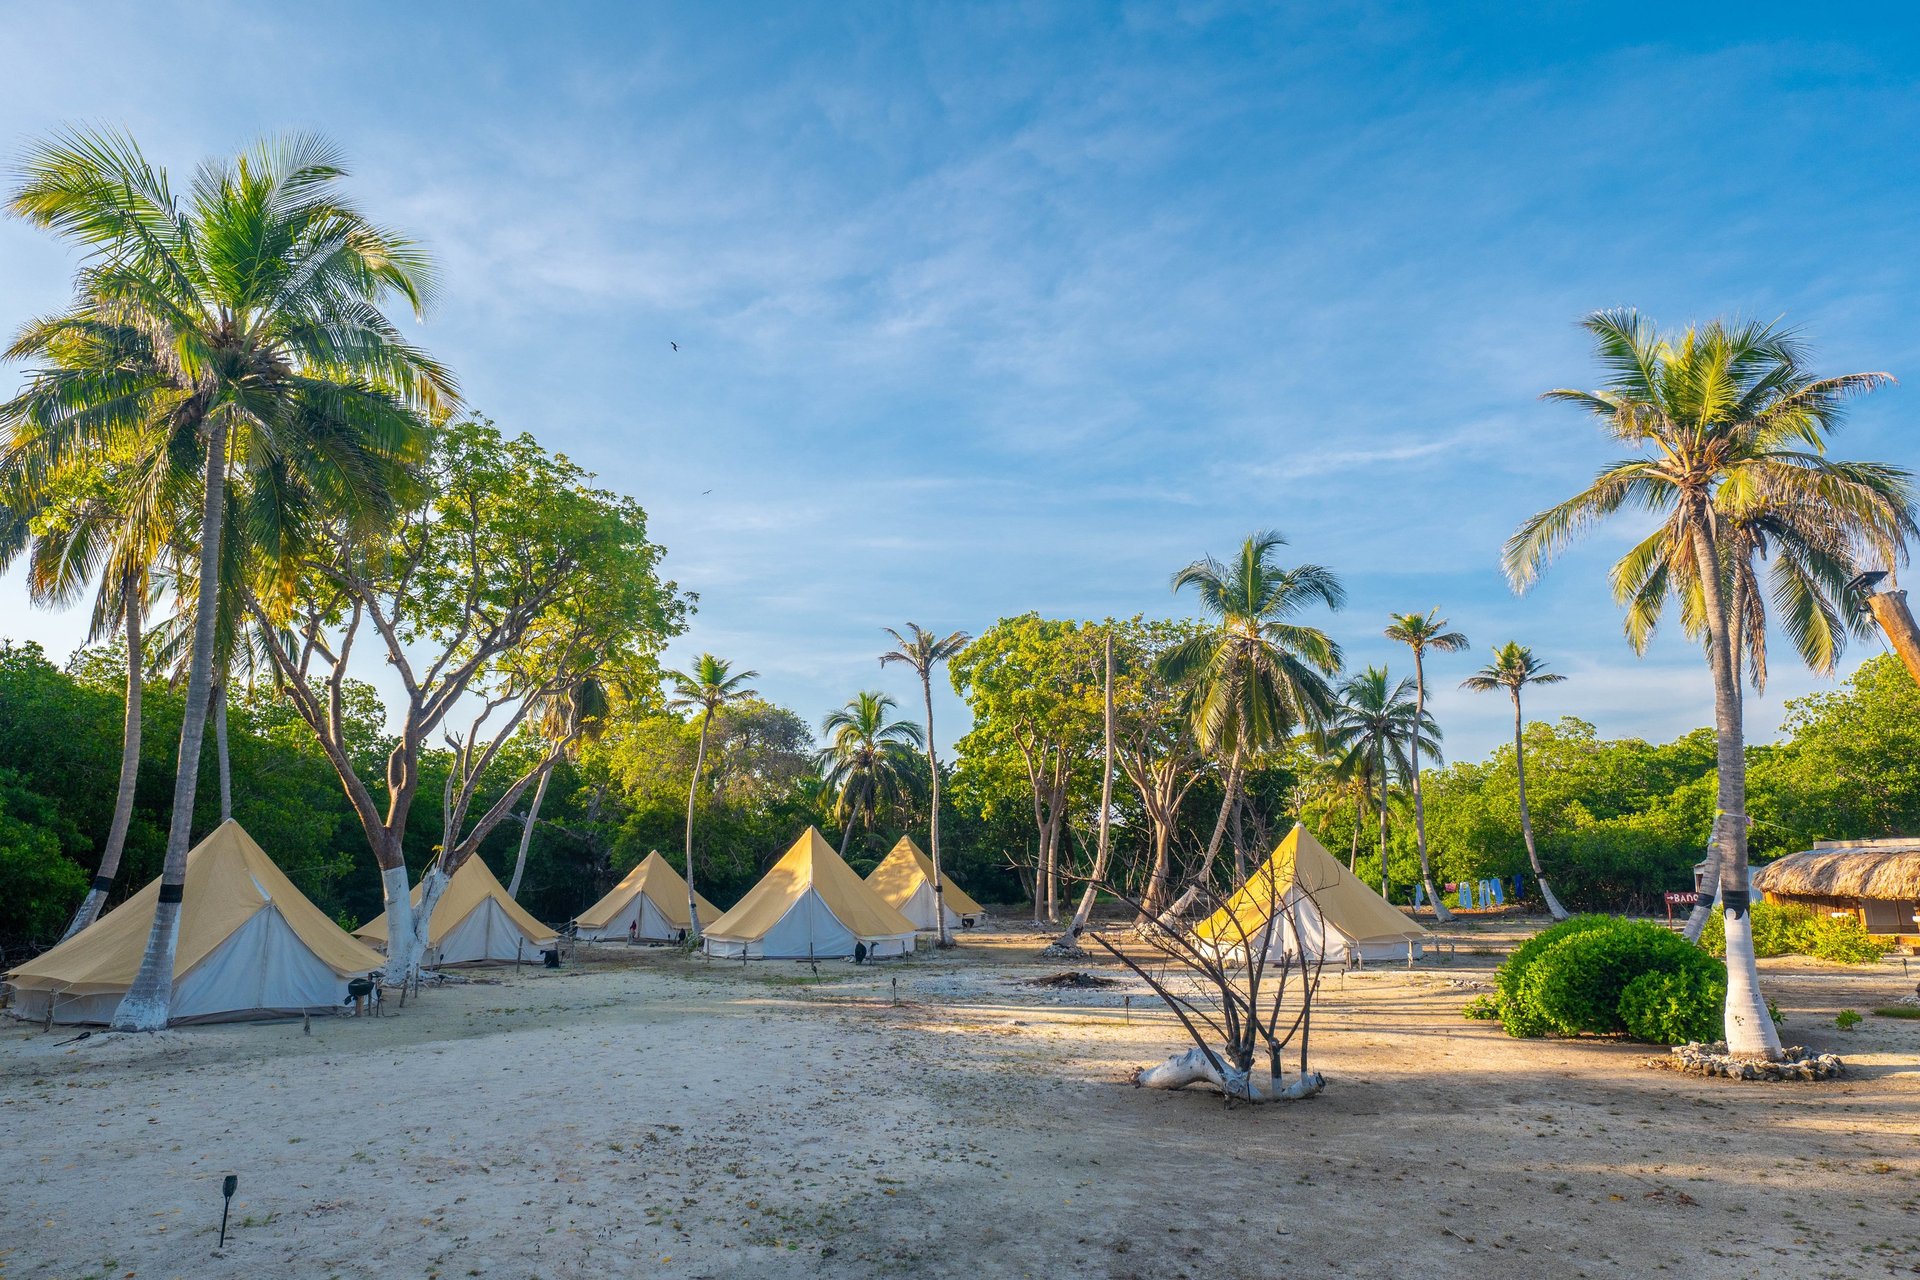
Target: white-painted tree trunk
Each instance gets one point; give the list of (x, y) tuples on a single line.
[(1749, 1025), (399, 904), (148, 1004), (526, 836), (116, 845)]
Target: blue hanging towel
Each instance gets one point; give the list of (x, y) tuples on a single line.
[(1419, 895), (1499, 894), (1486, 896), (1466, 895), (1519, 886)]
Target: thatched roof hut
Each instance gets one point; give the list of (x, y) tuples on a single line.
[(1877, 880)]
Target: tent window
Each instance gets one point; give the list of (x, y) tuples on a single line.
[(1888, 917)]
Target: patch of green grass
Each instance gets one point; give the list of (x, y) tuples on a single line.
[(1910, 1011)]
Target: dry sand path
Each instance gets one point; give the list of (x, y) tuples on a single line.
[(646, 1114)]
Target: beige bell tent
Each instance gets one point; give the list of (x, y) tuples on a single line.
[(1302, 901), (904, 879), (251, 946), (809, 906), (475, 922), (648, 905)]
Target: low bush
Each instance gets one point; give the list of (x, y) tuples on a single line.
[(1898, 1011), (1664, 1007), (1790, 929), (1575, 978)]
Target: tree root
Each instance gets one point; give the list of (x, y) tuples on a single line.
[(1197, 1066)]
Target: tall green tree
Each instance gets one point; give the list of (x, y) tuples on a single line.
[(1514, 668), (869, 759), (1421, 632), (1034, 687), (709, 686), (1378, 718), (922, 651), (1714, 414), (1256, 676), (247, 325)]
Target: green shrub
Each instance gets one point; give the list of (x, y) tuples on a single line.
[(1576, 984), (1674, 1007), (1515, 1016), (1573, 979), (1481, 1009), (1844, 940), (1791, 929), (1898, 1011), (1779, 929), (1847, 1020)]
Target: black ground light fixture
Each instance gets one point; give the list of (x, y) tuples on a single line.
[(227, 1188)]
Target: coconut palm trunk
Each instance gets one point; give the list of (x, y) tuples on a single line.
[(148, 1004), (223, 760), (1440, 913), (116, 845), (1381, 765), (526, 835), (944, 938), (1554, 908), (1749, 1025), (693, 792), (1085, 909)]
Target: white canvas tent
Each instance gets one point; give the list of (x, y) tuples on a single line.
[(810, 905), (475, 922), (648, 905), (904, 879), (1302, 901), (251, 945)]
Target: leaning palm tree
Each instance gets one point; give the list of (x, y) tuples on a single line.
[(568, 715), (923, 651), (709, 686), (98, 516), (245, 329), (1256, 676), (869, 759), (1378, 719), (1514, 668), (1714, 414), (1421, 632)]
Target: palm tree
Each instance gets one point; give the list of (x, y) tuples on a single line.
[(245, 328), (1377, 719), (98, 516), (1421, 632), (1811, 567), (1256, 676), (564, 716), (922, 651), (1514, 668), (1718, 415), (709, 686), (868, 758)]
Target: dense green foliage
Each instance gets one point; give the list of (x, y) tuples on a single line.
[(1601, 975), (1791, 929)]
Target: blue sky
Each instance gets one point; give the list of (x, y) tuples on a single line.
[(985, 309)]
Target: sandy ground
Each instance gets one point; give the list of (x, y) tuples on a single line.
[(650, 1114)]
